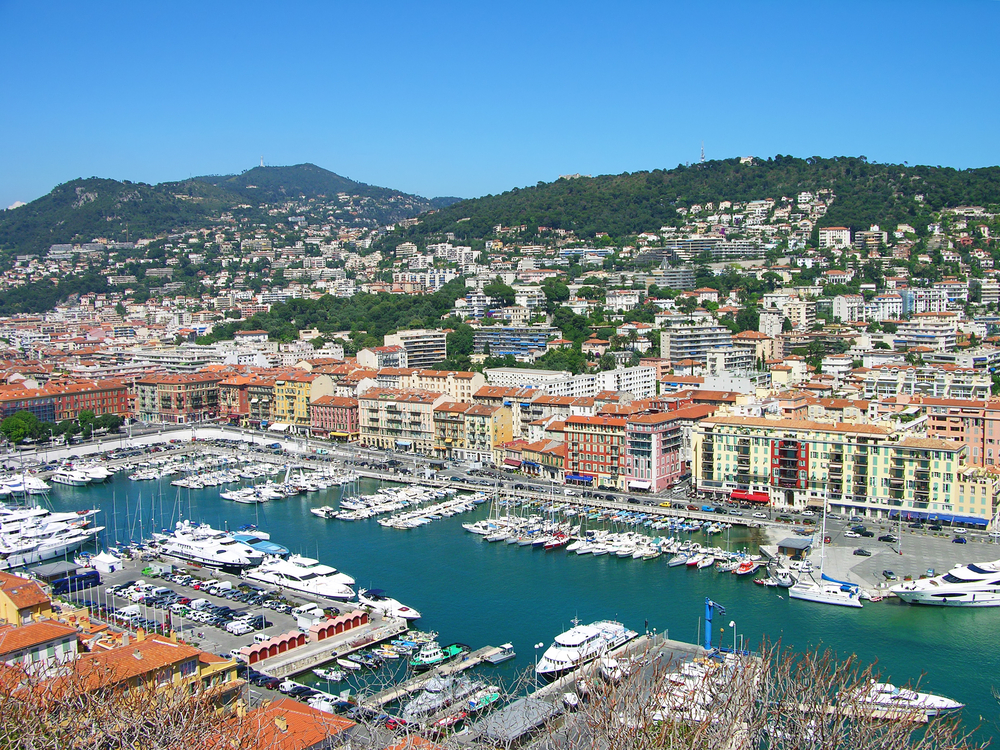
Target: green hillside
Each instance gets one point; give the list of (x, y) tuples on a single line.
[(627, 204)]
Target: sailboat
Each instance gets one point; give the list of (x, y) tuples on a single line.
[(827, 590)]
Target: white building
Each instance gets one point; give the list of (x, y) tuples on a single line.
[(835, 237)]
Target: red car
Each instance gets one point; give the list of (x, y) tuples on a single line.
[(392, 723)]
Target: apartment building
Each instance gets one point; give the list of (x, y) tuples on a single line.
[(801, 313), (889, 381), (938, 331), (652, 452), (486, 428), (293, 395), (879, 472), (924, 300), (178, 398), (524, 342), (458, 385), (55, 402), (449, 429), (693, 341), (381, 357), (835, 237), (334, 417), (397, 419), (424, 347), (595, 450)]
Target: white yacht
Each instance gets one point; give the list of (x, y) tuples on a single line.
[(305, 575), (42, 539), (887, 696), (826, 592), (582, 644), (207, 546), (70, 477), (972, 585), (376, 599)]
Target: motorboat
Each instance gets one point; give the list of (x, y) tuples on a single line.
[(202, 544), (432, 655), (885, 695), (261, 543), (970, 585), (348, 664), (505, 653), (483, 699), (377, 599), (438, 694), (784, 578), (305, 575), (70, 477), (582, 644), (330, 675)]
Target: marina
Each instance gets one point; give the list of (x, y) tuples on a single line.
[(450, 576)]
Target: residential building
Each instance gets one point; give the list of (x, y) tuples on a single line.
[(835, 237), (449, 429), (380, 357), (595, 451), (486, 428), (335, 417), (938, 331), (889, 381), (876, 471), (22, 600), (178, 399), (801, 313), (693, 341), (924, 300), (653, 452), (849, 308), (397, 419), (38, 646), (424, 347), (524, 342), (621, 300), (293, 395)]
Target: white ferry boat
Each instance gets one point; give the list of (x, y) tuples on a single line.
[(207, 546), (971, 585), (305, 575), (582, 644)]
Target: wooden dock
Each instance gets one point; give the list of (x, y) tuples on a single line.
[(416, 683)]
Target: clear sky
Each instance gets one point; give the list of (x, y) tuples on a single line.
[(469, 98)]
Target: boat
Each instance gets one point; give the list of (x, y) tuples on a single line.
[(970, 585), (202, 544), (331, 675), (438, 694), (483, 699), (70, 477), (826, 590), (768, 582), (506, 653), (885, 695), (582, 644), (377, 599), (348, 664), (305, 575), (450, 720), (432, 655), (784, 578), (366, 659), (260, 543)]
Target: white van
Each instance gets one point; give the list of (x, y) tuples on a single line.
[(160, 591), (199, 604), (261, 637)]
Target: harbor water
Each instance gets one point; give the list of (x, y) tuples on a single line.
[(478, 593)]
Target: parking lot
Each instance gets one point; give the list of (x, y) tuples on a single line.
[(203, 607)]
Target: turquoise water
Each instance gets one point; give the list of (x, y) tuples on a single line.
[(479, 593)]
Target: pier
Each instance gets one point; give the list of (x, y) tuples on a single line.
[(417, 683)]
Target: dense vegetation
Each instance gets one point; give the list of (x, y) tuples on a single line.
[(84, 209), (41, 296), (368, 316), (627, 204)]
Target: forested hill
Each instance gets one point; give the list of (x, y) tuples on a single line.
[(84, 209), (627, 204)]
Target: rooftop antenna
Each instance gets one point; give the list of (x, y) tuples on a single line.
[(702, 154)]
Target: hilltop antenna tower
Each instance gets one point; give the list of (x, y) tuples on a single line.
[(702, 156), (702, 153)]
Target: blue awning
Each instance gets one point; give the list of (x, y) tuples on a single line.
[(530, 463), (974, 520), (910, 514), (578, 478), (403, 442)]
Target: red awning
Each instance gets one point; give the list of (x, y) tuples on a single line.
[(753, 497), (512, 462)]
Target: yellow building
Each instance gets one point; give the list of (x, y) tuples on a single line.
[(292, 396), (486, 428), (22, 600), (858, 469)]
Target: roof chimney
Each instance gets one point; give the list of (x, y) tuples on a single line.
[(281, 723)]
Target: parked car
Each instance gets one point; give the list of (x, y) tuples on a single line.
[(888, 538), (867, 533), (935, 527), (889, 575), (861, 552), (759, 514), (852, 535)]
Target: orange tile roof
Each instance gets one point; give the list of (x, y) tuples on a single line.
[(286, 724), (22, 592), (13, 638)]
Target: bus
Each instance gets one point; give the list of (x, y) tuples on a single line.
[(75, 583)]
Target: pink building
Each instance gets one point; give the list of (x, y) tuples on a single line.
[(653, 451), (335, 416)]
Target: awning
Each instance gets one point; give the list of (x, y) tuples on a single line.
[(633, 484), (512, 462), (530, 463), (753, 497), (340, 434), (405, 443), (975, 520), (279, 427), (578, 478)]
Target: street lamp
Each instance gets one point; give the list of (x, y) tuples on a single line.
[(537, 646), (732, 624)]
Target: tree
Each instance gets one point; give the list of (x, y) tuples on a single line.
[(500, 292), (786, 326), (460, 341)]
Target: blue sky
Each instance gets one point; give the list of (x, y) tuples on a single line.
[(441, 98)]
